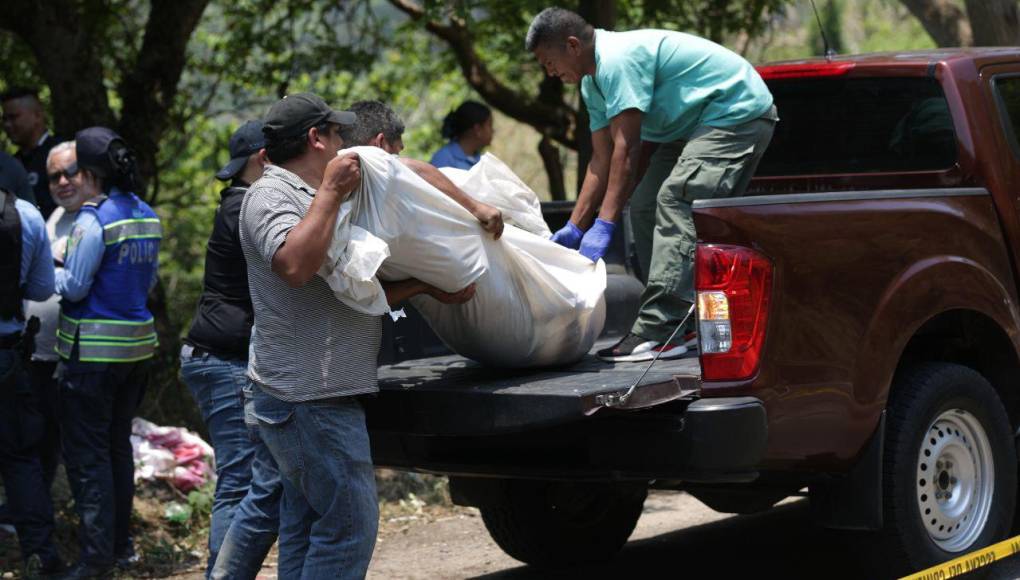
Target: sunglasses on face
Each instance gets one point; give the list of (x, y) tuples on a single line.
[(68, 172)]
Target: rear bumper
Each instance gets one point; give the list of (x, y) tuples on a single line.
[(705, 440)]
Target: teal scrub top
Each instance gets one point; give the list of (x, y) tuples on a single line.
[(679, 81)]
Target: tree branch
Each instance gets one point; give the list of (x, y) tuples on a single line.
[(550, 155), (943, 20), (555, 121)]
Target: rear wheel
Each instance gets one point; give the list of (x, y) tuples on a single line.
[(949, 474), (555, 524)]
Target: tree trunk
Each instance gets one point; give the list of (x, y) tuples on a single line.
[(583, 137), (550, 92), (149, 90), (943, 20), (598, 13), (994, 22), (62, 37), (715, 16), (550, 154)]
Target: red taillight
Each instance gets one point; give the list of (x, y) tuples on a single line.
[(734, 285), (803, 70)]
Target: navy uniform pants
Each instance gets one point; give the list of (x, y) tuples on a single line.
[(21, 428), (98, 401)]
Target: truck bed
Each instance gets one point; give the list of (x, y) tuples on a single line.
[(451, 395)]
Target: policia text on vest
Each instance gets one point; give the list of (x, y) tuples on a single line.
[(112, 324)]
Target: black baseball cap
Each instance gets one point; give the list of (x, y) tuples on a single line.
[(295, 114), (92, 147), (248, 139)]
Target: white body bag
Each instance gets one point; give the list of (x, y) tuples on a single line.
[(536, 303)]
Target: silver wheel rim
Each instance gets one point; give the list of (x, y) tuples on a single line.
[(955, 480)]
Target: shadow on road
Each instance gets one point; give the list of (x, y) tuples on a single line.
[(782, 543)]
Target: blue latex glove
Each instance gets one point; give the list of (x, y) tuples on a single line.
[(569, 236), (596, 241)]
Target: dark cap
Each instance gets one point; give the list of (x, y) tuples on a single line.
[(248, 139), (295, 114), (93, 149)]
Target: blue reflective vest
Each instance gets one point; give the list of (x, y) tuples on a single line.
[(113, 323)]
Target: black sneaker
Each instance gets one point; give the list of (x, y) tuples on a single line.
[(633, 348)]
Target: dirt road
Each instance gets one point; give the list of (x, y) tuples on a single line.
[(677, 537)]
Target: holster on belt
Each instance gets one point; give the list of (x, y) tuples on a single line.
[(28, 338), (23, 424)]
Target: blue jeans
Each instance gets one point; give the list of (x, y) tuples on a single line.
[(256, 519), (330, 515), (216, 385), (21, 426), (98, 401)]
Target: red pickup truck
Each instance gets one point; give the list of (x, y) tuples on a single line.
[(858, 316)]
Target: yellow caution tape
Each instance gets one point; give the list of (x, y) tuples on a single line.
[(970, 562)]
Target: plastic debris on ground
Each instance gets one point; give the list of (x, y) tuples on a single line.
[(171, 453)]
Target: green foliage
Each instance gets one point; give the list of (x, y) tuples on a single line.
[(201, 501), (863, 25), (888, 27)]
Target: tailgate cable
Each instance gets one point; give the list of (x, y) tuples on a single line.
[(615, 400)]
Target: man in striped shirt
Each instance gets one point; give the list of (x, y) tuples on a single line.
[(311, 355)]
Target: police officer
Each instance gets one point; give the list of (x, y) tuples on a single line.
[(24, 122), (105, 339), (26, 272)]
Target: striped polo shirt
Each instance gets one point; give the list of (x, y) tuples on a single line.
[(306, 344)]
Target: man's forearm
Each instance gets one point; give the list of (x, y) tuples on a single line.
[(436, 179), (645, 160), (592, 191), (622, 173), (397, 292), (300, 257)]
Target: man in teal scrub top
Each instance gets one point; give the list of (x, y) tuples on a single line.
[(674, 118)]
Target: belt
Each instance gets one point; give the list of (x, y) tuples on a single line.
[(10, 341), (197, 352)]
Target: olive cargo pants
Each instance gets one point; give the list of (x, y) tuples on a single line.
[(716, 162)]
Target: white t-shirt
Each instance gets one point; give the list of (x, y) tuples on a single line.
[(58, 228)]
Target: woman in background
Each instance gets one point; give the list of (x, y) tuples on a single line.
[(469, 129)]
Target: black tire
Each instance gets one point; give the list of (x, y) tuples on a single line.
[(953, 395), (556, 524)]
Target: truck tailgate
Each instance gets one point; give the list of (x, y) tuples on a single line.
[(451, 395)]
